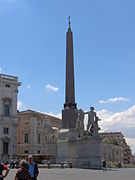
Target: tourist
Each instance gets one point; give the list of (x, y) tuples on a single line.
[(33, 168), (104, 164), (23, 172), (3, 167)]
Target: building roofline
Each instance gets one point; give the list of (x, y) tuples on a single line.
[(6, 76), (29, 111), (10, 78)]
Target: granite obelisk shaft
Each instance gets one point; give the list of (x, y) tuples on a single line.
[(70, 89), (69, 114)]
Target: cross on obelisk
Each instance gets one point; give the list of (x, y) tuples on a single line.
[(69, 22), (69, 114)]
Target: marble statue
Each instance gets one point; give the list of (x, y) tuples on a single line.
[(80, 123), (92, 125)]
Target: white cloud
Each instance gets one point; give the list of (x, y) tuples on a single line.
[(28, 86), (113, 100), (131, 143), (59, 115), (20, 106), (0, 70), (51, 88), (119, 122)]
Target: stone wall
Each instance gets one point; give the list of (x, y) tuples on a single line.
[(83, 153)]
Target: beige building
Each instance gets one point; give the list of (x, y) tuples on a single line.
[(8, 117), (115, 148), (37, 134), (112, 153)]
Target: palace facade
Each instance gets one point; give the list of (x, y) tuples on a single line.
[(37, 134), (8, 117)]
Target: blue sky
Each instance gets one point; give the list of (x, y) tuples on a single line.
[(33, 47)]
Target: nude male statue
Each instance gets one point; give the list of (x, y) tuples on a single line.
[(91, 118)]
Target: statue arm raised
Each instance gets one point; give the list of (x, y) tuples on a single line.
[(86, 112)]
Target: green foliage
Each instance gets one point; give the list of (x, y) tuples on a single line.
[(109, 164), (116, 165), (128, 166), (110, 141), (112, 164)]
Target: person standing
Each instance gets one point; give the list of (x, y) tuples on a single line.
[(2, 168), (23, 172), (104, 164), (33, 168)]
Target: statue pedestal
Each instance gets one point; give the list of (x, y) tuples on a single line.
[(83, 153)]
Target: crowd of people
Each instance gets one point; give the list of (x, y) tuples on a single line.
[(28, 170)]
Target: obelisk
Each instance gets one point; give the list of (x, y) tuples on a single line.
[(69, 114)]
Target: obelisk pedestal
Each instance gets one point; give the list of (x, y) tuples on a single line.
[(69, 117)]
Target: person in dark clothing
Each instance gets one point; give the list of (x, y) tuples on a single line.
[(23, 172), (3, 167), (104, 165), (33, 168)]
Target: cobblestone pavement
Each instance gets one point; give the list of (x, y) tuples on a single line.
[(81, 174)]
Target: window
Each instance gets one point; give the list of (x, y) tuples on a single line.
[(39, 124), (5, 148), (39, 139), (6, 130), (6, 110), (26, 137), (26, 152), (26, 123), (38, 151), (7, 85)]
